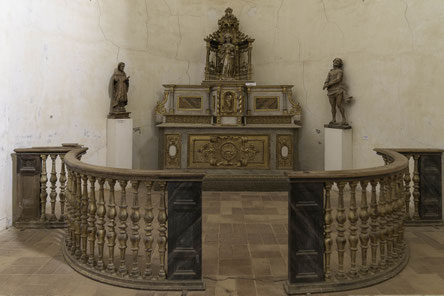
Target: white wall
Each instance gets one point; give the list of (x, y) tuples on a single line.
[(57, 58)]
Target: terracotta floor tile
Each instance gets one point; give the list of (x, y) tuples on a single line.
[(278, 266), (20, 269), (246, 287), (269, 239), (254, 238), (261, 267)]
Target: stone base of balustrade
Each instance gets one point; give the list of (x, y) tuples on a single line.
[(40, 224), (423, 223), (348, 284), (128, 282)]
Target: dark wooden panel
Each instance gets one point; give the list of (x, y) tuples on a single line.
[(184, 230), (29, 167), (430, 202), (305, 234)]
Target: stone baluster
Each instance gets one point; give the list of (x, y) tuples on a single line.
[(402, 211), (340, 238), (92, 230), (353, 236), (398, 214), (374, 233), (416, 187), (407, 194), (389, 220), (364, 236), (101, 212), (111, 235), (135, 237), (84, 218), (68, 195), (395, 216), (382, 224), (123, 235), (72, 209), (78, 211), (162, 218), (328, 240), (148, 240), (63, 187), (53, 181), (43, 193)]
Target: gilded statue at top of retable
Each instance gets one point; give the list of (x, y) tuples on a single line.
[(228, 51), (120, 85)]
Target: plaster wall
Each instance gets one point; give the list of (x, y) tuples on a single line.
[(58, 56)]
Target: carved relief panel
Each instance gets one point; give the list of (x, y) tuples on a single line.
[(284, 151), (172, 151), (228, 151)]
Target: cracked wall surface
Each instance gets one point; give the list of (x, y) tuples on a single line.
[(58, 58)]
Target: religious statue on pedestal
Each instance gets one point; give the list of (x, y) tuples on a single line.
[(337, 92), (120, 85)]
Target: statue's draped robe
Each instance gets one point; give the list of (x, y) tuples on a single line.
[(228, 60), (338, 87), (120, 89)]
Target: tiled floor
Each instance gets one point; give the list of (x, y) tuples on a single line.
[(244, 253)]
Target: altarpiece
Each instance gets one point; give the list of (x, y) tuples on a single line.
[(228, 122)]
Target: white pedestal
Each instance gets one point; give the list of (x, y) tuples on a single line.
[(338, 149), (119, 143)]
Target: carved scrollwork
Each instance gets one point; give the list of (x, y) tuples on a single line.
[(160, 107), (296, 108)]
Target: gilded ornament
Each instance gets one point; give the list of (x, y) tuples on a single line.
[(172, 151), (228, 151), (160, 107), (284, 151)]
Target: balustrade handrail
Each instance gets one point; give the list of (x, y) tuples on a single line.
[(416, 150), (65, 148), (398, 163), (75, 164)]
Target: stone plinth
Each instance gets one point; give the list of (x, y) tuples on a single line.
[(338, 149), (119, 143)]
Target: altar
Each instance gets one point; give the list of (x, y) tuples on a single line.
[(228, 122)]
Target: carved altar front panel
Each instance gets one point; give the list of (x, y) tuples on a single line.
[(172, 151), (284, 151), (228, 151)]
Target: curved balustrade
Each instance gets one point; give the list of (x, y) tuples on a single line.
[(143, 229), (116, 216), (360, 239), (33, 194)]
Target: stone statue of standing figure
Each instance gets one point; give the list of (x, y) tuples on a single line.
[(227, 57), (337, 92), (120, 85)]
